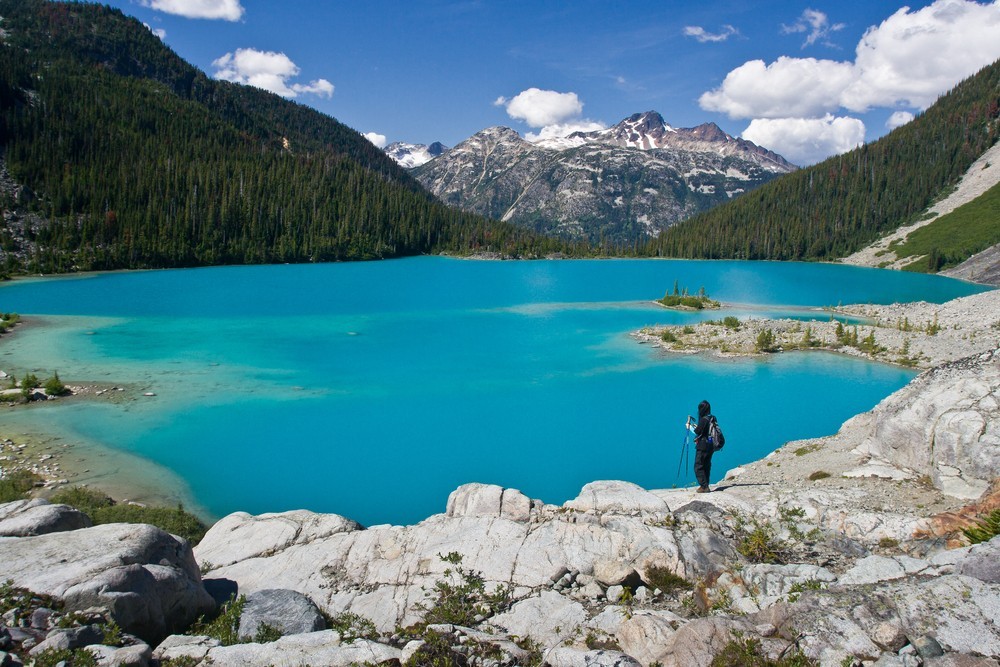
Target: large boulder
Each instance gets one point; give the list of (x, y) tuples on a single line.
[(617, 496), (36, 516), (945, 424), (146, 578), (385, 572), (289, 612)]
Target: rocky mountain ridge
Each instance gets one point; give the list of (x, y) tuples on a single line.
[(620, 185)]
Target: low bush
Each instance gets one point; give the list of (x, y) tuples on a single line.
[(54, 386), (744, 651), (226, 626), (101, 509), (16, 485), (665, 579), (987, 527)]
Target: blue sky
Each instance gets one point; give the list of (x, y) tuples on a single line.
[(807, 79)]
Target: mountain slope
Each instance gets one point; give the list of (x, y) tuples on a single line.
[(835, 208), (617, 185), (123, 156)]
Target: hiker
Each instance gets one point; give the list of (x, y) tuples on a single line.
[(703, 449)]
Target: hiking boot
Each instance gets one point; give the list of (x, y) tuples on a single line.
[(703, 489)]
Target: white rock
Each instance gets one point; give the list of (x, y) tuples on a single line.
[(158, 592), (617, 496), (36, 516), (548, 618), (314, 648), (644, 635)]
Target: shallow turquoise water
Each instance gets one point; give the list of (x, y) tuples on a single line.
[(372, 390)]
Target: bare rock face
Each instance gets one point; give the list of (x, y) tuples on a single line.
[(22, 518), (313, 648), (629, 181), (946, 425), (146, 578)]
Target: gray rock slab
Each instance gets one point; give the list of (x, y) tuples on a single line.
[(571, 657), (548, 618), (982, 562), (290, 612), (146, 578), (314, 648), (36, 516)]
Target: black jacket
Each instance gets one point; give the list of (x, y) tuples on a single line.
[(701, 430)]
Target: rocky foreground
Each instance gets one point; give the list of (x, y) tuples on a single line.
[(837, 551)]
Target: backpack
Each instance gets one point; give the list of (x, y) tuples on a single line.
[(715, 437)]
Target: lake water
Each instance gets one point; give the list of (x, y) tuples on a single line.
[(372, 390)]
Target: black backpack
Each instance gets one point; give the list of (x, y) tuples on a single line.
[(715, 437)]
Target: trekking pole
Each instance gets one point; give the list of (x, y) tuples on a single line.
[(684, 454)]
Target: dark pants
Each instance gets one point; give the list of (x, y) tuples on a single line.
[(703, 464)]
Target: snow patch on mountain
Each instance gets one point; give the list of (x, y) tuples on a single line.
[(413, 155)]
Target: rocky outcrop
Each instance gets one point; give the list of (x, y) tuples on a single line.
[(147, 579), (22, 518), (945, 425)]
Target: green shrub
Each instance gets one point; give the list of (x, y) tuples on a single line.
[(668, 336), (69, 658), (665, 579), (688, 329), (16, 485), (54, 386), (757, 542), (351, 626), (748, 652), (987, 527), (765, 341), (731, 322), (266, 634), (29, 383), (102, 509), (461, 597), (818, 475), (226, 626)]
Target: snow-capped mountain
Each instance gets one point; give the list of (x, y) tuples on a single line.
[(413, 155), (623, 183)]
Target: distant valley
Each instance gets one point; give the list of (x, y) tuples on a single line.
[(616, 186)]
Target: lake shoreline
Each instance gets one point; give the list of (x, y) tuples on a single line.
[(100, 474), (915, 335)]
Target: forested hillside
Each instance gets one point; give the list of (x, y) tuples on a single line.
[(840, 205), (121, 155)]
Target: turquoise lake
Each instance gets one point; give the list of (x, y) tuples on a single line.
[(373, 390)]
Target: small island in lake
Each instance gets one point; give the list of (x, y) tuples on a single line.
[(681, 300)]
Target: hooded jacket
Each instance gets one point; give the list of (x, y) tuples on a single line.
[(701, 430)]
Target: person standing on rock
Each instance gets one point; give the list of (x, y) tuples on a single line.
[(703, 449)]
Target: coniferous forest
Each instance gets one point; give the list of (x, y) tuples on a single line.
[(844, 203), (131, 158)]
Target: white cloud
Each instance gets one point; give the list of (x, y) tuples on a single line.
[(817, 24), (905, 63), (229, 10), (539, 108), (703, 35), (913, 57), (268, 70), (556, 114), (898, 118), (559, 130), (787, 87), (378, 139), (159, 32), (806, 141)]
